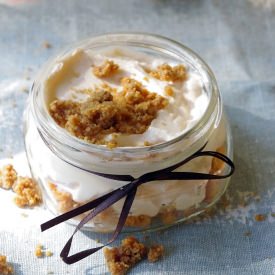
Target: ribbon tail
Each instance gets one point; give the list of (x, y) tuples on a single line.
[(83, 254)]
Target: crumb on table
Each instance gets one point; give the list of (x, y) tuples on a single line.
[(107, 69), (46, 45), (39, 251), (169, 91), (121, 259), (260, 217), (155, 253), (27, 192), (5, 268), (8, 176), (48, 253)]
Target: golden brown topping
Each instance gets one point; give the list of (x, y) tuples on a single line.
[(169, 215), (169, 91), (155, 253), (138, 221), (5, 268), (48, 253), (108, 68), (108, 112), (38, 251), (260, 217), (120, 259), (64, 199), (28, 193), (166, 72), (8, 176)]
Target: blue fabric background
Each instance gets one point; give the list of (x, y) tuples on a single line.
[(237, 40)]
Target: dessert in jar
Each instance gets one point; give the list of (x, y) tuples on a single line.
[(126, 104)]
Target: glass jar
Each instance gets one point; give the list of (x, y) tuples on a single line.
[(61, 163)]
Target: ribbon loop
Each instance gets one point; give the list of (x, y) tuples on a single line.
[(129, 191)]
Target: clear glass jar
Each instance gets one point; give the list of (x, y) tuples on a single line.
[(61, 163)]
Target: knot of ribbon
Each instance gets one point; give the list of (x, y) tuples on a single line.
[(128, 191)]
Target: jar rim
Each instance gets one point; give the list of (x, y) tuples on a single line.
[(139, 39)]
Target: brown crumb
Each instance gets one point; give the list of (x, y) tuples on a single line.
[(138, 221), (169, 215), (46, 45), (38, 251), (5, 268), (145, 78), (169, 91), (121, 259), (260, 217), (48, 253), (8, 176), (107, 69), (146, 143), (64, 199), (107, 112), (166, 72), (155, 253), (27, 191), (247, 233)]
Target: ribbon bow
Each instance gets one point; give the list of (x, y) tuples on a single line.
[(129, 191)]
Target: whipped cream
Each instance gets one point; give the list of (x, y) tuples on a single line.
[(187, 105)]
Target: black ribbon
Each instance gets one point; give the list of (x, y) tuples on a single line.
[(129, 191)]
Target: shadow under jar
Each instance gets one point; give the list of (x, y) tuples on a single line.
[(63, 165)]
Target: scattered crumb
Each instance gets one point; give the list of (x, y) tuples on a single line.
[(121, 259), (145, 78), (260, 217), (46, 45), (5, 268), (38, 251), (8, 176), (107, 69), (166, 72), (247, 233), (24, 215), (155, 253), (48, 253), (106, 112), (138, 221), (27, 191), (169, 91)]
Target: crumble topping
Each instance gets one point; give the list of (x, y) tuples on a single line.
[(5, 268), (64, 199), (106, 112), (108, 68), (166, 72), (121, 259), (28, 193), (155, 253), (169, 91), (8, 176), (138, 221)]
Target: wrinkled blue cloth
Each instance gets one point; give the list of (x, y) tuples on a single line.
[(237, 40)]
